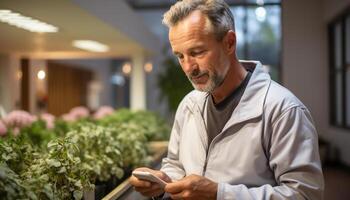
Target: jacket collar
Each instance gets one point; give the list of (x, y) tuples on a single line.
[(252, 101)]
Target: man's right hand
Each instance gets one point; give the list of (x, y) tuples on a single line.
[(147, 188)]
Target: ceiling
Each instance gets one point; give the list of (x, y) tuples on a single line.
[(73, 22), (111, 22), (165, 4)]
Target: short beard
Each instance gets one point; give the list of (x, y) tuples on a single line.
[(214, 81)]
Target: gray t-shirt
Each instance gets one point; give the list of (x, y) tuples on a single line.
[(219, 114)]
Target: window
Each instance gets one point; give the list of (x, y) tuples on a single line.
[(258, 28), (339, 51), (258, 31)]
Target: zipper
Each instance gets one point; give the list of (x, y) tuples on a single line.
[(200, 119), (208, 151)]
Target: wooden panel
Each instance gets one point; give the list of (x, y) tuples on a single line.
[(67, 87), (25, 84)]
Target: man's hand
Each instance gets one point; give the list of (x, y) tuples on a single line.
[(147, 188), (192, 187)]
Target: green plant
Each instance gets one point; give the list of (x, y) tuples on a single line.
[(38, 134), (149, 123), (59, 174), (101, 152), (133, 144), (154, 127), (17, 153), (173, 83), (12, 186), (61, 127), (16, 157)]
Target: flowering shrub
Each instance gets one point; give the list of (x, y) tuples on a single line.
[(55, 159), (49, 120), (102, 112), (76, 113), (18, 119)]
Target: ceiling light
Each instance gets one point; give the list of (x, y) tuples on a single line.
[(90, 45), (148, 67), (27, 23), (260, 13), (41, 75), (126, 68)]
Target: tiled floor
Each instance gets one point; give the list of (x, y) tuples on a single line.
[(337, 183)]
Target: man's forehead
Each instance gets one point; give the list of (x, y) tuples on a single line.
[(195, 21)]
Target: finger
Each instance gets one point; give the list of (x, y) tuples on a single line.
[(175, 187), (177, 196), (143, 169), (153, 193), (162, 176), (139, 183), (153, 187)]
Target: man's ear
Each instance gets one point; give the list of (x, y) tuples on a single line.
[(230, 42)]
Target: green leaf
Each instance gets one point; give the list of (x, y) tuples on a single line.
[(78, 194), (53, 162)]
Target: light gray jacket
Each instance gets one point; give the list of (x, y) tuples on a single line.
[(268, 149)]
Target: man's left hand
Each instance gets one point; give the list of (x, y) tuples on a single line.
[(192, 187)]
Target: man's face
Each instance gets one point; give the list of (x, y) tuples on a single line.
[(202, 58)]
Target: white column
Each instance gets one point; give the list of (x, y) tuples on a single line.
[(137, 83), (9, 82)]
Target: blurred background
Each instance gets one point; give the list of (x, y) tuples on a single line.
[(56, 55)]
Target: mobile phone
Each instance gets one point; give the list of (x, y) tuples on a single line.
[(147, 176)]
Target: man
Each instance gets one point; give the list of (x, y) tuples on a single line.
[(239, 135)]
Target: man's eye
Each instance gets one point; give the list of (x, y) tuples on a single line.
[(197, 53), (180, 57)]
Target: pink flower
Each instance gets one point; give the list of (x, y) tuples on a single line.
[(103, 112), (3, 129), (80, 112), (19, 119), (49, 119), (76, 113), (68, 117)]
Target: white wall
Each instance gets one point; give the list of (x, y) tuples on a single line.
[(305, 62), (304, 68)]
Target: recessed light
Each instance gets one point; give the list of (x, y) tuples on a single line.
[(90, 45), (126, 68), (27, 23), (148, 67)]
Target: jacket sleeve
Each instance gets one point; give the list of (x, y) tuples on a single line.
[(171, 164), (293, 158)]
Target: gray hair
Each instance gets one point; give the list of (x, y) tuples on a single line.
[(218, 12)]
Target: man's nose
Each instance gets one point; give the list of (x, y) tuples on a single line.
[(189, 64)]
